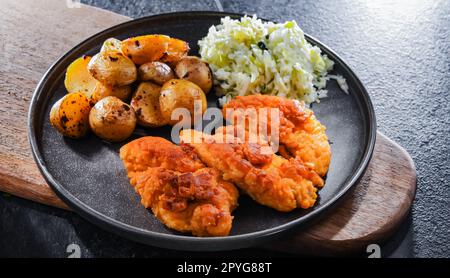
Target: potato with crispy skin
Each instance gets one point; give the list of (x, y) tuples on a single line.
[(266, 177), (178, 93), (193, 69), (101, 91), (112, 119), (78, 78), (155, 72), (113, 68), (70, 115), (149, 48), (145, 102), (111, 44), (176, 50)]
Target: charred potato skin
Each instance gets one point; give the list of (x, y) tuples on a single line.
[(149, 48), (145, 102), (193, 69), (112, 120), (179, 93), (112, 68), (155, 72), (70, 115), (101, 91), (55, 119)]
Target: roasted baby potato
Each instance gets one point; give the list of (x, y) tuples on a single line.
[(78, 78), (155, 72), (112, 119), (55, 119), (101, 91), (149, 48), (193, 69), (113, 68), (145, 103), (111, 44), (70, 115), (178, 93), (176, 50)]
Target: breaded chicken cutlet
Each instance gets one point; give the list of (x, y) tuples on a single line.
[(271, 180), (180, 190), (299, 130)]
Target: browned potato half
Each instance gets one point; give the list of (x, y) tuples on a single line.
[(113, 68), (78, 78), (176, 49), (55, 119), (70, 115), (178, 93), (193, 69), (102, 91), (111, 44), (145, 102), (156, 72), (112, 119), (149, 48)]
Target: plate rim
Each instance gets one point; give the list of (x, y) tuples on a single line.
[(179, 242)]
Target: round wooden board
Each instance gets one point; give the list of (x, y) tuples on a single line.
[(368, 214)]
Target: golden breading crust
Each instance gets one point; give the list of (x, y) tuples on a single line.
[(269, 179), (182, 193)]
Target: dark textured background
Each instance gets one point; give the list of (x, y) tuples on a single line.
[(400, 51)]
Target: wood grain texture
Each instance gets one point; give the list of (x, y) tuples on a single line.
[(368, 214), (33, 36)]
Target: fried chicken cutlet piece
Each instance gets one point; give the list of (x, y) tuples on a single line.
[(180, 190), (300, 132), (257, 142), (269, 179)]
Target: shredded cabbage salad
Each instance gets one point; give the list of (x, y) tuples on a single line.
[(249, 56)]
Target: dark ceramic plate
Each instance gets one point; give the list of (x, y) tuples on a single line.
[(89, 176)]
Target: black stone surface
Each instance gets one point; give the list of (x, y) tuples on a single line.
[(401, 52)]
